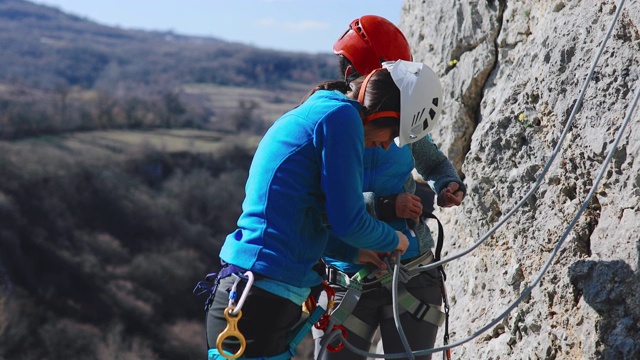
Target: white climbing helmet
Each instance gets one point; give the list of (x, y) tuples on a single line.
[(420, 99)]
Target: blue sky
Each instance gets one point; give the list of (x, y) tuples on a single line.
[(294, 25)]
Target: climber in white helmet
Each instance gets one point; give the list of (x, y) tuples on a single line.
[(372, 42)]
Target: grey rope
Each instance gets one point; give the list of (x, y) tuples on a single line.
[(396, 313), (547, 264), (556, 249), (555, 152), (544, 269)]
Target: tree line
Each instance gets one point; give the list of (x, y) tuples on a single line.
[(65, 73)]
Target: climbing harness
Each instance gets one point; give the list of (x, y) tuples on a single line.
[(233, 312), (212, 280), (368, 280)]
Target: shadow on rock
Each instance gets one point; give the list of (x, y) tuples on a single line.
[(611, 289)]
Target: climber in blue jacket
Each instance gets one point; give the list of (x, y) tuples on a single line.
[(306, 177)]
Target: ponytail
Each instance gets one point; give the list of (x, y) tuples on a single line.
[(382, 95), (339, 85)]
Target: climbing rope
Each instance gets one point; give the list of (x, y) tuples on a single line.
[(535, 282), (555, 152), (396, 313), (537, 184), (566, 233)]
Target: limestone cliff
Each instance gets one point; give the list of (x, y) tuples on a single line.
[(512, 73)]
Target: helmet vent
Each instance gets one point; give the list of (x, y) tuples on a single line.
[(359, 30), (434, 102), (425, 124), (417, 118)]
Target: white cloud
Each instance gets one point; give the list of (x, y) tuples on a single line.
[(307, 25), (304, 25), (268, 22)]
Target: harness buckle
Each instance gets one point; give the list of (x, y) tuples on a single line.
[(332, 275)]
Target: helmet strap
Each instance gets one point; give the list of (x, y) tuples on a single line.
[(348, 72), (363, 87), (381, 114)]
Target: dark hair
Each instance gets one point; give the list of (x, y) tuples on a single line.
[(381, 94), (339, 85), (343, 64), (355, 77)]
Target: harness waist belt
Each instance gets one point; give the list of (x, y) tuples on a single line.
[(382, 277)]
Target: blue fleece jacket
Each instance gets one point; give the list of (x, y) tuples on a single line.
[(389, 172), (307, 169)]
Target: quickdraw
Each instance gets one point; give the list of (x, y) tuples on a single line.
[(446, 355)]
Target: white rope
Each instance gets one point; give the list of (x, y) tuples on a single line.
[(556, 249), (547, 264), (555, 152), (396, 313)]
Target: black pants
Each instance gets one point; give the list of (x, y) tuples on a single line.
[(265, 322), (420, 334)]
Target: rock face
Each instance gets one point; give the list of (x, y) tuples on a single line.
[(513, 72)]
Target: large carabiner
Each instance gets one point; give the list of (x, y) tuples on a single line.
[(345, 335), (231, 331), (331, 298)]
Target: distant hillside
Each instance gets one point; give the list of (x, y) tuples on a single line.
[(44, 47), (64, 73), (123, 157)]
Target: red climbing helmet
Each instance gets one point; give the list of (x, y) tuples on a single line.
[(371, 40)]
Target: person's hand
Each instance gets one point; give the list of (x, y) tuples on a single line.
[(375, 257), (450, 196), (408, 206), (372, 257), (403, 244)]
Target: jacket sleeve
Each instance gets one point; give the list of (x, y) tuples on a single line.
[(339, 140), (339, 250), (433, 166)]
